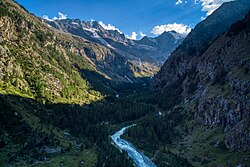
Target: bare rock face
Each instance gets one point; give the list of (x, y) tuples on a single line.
[(215, 73), (239, 136)]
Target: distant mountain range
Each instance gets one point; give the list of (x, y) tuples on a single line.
[(144, 56)]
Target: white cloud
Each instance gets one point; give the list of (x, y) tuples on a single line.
[(178, 2), (47, 18), (109, 27), (142, 34), (208, 6), (61, 17), (133, 36), (180, 28)]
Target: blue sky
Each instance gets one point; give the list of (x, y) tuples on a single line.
[(127, 15)]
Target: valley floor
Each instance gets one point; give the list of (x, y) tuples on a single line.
[(38, 134)]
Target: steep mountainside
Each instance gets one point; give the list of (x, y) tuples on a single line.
[(37, 63), (213, 74), (204, 33), (223, 85), (144, 56)]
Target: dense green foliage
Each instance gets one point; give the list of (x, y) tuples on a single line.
[(159, 128), (152, 130), (111, 156), (168, 159), (44, 126), (93, 119), (37, 64), (20, 140), (165, 98)]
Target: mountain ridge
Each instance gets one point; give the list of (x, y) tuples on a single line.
[(145, 58)]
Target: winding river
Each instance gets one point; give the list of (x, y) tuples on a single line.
[(140, 160)]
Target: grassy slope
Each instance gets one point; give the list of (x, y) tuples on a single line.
[(204, 146)]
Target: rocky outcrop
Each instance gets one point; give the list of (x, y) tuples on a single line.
[(216, 75)]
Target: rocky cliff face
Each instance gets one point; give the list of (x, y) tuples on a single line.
[(223, 85), (145, 56), (214, 73)]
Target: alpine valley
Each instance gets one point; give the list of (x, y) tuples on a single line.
[(73, 93)]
